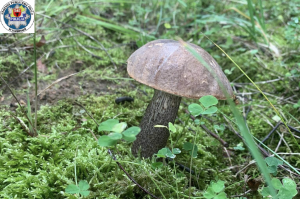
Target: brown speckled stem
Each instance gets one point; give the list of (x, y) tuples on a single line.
[(162, 109)]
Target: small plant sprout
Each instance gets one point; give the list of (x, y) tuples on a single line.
[(197, 121), (297, 105), (292, 32), (215, 191), (229, 72), (207, 107), (166, 152), (239, 147), (276, 118), (81, 188), (272, 163), (191, 148), (220, 127), (286, 189), (117, 132)]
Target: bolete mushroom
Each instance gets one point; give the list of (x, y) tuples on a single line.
[(173, 72)]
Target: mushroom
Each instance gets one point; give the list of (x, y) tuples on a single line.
[(173, 72)]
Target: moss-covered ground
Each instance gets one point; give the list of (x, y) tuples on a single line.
[(94, 40)]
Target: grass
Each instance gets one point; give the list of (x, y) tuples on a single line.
[(43, 166), (244, 130)]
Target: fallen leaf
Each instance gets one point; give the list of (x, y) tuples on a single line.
[(41, 42), (254, 184), (41, 67), (38, 45), (22, 102)]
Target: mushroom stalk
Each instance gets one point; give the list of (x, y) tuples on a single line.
[(162, 109)]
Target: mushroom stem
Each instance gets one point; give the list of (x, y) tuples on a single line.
[(162, 109)]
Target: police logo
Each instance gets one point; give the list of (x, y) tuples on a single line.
[(17, 16)]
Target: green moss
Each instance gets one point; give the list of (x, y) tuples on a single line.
[(43, 166)]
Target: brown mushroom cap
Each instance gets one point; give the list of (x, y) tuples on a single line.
[(166, 65)]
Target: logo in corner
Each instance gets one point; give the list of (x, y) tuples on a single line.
[(17, 16)]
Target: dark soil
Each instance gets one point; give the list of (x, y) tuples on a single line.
[(67, 87)]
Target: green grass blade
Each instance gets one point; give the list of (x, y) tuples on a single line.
[(104, 1), (293, 118), (35, 80), (285, 162), (111, 26), (261, 18), (159, 20), (29, 115), (241, 124), (251, 13), (273, 107)]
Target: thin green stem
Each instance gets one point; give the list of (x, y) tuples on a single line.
[(172, 147), (35, 79), (293, 168), (191, 164), (159, 20), (240, 121), (75, 166), (262, 19), (251, 13), (22, 108)]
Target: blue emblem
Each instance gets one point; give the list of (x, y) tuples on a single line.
[(17, 16)]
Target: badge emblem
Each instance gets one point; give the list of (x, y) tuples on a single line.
[(17, 16)]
